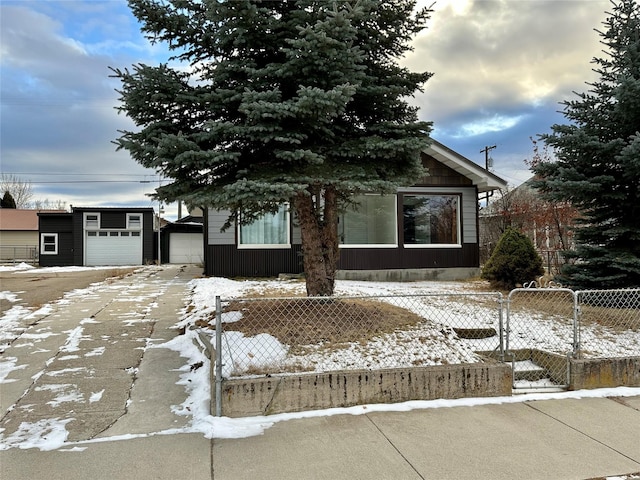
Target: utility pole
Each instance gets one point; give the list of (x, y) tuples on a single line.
[(488, 163)]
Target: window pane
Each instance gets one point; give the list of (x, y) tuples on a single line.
[(270, 229), (49, 239), (371, 222), (430, 219)]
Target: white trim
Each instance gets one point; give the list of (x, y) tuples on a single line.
[(266, 246), (459, 230), (395, 222), (432, 245), (43, 251), (257, 246), (85, 221), (369, 245), (129, 223)]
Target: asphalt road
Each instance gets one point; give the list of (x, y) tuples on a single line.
[(38, 287)]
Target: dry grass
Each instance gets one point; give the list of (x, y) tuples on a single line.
[(309, 321)]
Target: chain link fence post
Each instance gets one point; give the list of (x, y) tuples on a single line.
[(218, 357)]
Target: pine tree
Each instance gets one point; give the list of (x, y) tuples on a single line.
[(7, 200), (513, 262), (598, 167), (284, 102)]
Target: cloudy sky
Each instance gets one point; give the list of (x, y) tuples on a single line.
[(500, 67)]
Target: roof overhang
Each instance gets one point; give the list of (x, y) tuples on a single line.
[(481, 177)]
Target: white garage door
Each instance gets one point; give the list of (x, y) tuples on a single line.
[(186, 248), (113, 248)]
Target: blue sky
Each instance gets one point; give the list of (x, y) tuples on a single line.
[(500, 67)]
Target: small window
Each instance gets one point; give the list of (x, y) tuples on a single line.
[(102, 234), (92, 234), (124, 234), (113, 234), (135, 234), (91, 220), (134, 221), (49, 244), (269, 231)]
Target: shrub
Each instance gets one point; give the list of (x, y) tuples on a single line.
[(514, 261)]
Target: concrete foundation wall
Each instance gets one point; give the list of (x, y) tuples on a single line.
[(603, 373), (293, 393), (410, 274)]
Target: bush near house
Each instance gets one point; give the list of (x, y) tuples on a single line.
[(514, 261)]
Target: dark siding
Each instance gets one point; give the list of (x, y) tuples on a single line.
[(229, 261), (113, 220), (392, 258), (62, 224), (78, 238), (441, 175), (149, 239)]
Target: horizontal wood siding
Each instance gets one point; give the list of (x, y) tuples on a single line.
[(228, 261)]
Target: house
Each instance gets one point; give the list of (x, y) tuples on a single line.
[(19, 234), (97, 236), (425, 231), (183, 240)]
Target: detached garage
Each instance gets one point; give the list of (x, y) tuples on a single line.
[(97, 236), (183, 241)]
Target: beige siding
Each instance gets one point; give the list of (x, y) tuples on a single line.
[(19, 239)]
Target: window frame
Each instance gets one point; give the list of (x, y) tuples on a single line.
[(130, 223), (395, 225), (92, 226), (459, 232), (43, 244), (271, 246)]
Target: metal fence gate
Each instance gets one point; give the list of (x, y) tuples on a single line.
[(541, 335)]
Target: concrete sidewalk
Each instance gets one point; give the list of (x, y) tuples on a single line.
[(554, 439), (93, 348)]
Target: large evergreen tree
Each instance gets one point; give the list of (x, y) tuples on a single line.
[(598, 166), (294, 102)]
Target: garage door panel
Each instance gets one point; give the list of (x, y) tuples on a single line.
[(186, 248), (114, 248)]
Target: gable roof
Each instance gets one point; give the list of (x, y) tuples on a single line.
[(480, 176), (12, 219)]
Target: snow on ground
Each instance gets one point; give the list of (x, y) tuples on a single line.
[(445, 304), (48, 434)]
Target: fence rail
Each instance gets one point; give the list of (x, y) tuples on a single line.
[(18, 253), (542, 326)]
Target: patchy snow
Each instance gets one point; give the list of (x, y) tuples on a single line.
[(242, 352)]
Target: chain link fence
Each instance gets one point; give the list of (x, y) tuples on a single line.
[(540, 335), (542, 329), (608, 323), (279, 335)]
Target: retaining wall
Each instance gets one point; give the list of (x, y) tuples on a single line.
[(603, 373), (294, 393)]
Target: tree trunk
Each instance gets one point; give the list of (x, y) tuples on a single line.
[(320, 248)]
